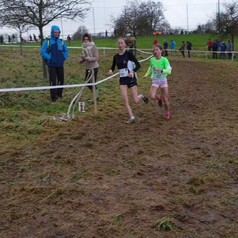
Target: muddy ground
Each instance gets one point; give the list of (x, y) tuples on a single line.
[(99, 177)]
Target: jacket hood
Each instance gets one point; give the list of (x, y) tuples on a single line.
[(54, 28)]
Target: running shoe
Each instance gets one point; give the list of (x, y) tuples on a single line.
[(167, 115), (144, 98), (131, 120)]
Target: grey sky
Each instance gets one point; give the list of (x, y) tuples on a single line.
[(179, 13)]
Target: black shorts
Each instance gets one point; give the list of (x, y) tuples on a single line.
[(130, 82)]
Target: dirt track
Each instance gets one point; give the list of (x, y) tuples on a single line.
[(103, 178)]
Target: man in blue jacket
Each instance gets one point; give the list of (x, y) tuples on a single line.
[(55, 52)]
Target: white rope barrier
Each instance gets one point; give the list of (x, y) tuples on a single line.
[(2, 90), (75, 100), (40, 88), (54, 87), (144, 52), (71, 109), (73, 103), (60, 86)]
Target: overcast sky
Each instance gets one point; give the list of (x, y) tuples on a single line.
[(179, 13)]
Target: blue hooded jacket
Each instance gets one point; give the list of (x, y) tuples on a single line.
[(54, 50)]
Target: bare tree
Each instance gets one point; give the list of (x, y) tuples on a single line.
[(140, 19), (209, 27), (227, 21), (79, 33), (20, 27), (153, 17), (39, 13), (120, 25)]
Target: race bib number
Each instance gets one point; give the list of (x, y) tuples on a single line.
[(123, 73), (157, 75)]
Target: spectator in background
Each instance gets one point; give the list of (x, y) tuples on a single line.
[(229, 48), (223, 50), (165, 46), (214, 49), (209, 45), (34, 37), (131, 42), (189, 48), (55, 52), (172, 45), (155, 42), (1, 39), (13, 38), (69, 39), (90, 58), (218, 41), (182, 49)]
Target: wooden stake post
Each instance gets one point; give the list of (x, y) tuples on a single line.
[(94, 95)]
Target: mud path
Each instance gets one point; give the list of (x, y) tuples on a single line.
[(99, 177)]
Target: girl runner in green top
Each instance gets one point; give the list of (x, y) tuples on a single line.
[(159, 68)]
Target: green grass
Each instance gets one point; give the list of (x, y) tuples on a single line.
[(199, 41), (31, 110), (164, 224)]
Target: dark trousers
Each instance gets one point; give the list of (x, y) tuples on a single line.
[(214, 54), (182, 52), (166, 52), (56, 77), (88, 75)]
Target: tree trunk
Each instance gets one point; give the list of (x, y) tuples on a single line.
[(44, 66), (20, 42)]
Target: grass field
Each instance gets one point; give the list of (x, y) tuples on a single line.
[(199, 41), (96, 176)]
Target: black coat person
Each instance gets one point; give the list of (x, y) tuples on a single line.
[(189, 48), (182, 49), (214, 50)]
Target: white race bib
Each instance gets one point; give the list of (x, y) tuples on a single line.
[(157, 75), (123, 73)]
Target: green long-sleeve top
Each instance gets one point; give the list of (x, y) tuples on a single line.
[(164, 68)]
